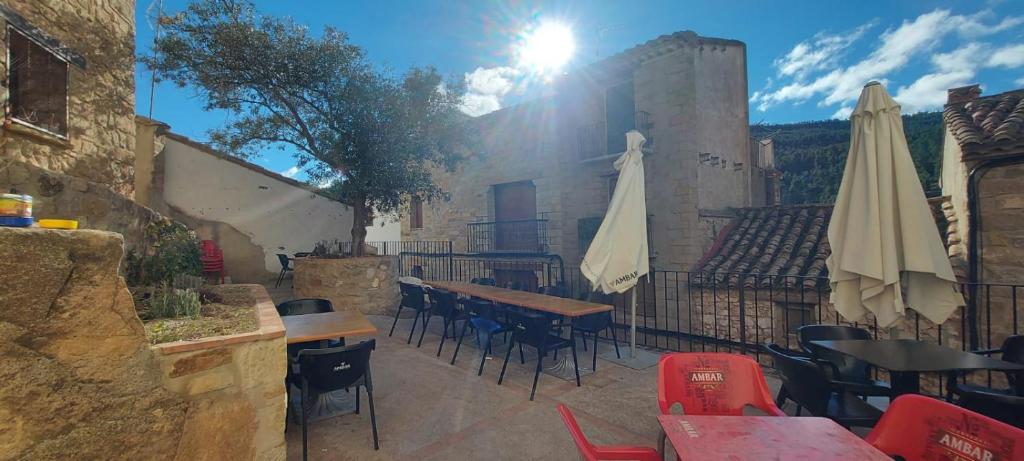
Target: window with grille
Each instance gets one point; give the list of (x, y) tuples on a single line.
[(37, 85)]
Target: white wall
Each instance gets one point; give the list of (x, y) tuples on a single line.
[(279, 217), (387, 228)]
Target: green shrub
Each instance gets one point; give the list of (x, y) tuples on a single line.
[(173, 302), (171, 251)]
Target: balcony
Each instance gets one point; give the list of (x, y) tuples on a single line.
[(520, 236), (595, 141)]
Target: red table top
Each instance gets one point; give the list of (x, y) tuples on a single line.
[(738, 438)]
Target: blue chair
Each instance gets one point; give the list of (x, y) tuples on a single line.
[(285, 268), (443, 304), (485, 319)]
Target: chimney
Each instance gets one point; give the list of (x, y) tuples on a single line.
[(963, 94)]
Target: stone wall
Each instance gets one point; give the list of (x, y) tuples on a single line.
[(368, 284), (78, 379), (694, 89), (62, 196), (101, 98)]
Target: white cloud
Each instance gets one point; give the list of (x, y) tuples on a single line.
[(1010, 56), (813, 71), (485, 88), (291, 172), (1019, 81), (952, 69), (843, 113), (821, 52)]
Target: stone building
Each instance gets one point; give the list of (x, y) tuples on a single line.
[(543, 178), (983, 173), (69, 99)]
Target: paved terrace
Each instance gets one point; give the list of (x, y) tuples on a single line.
[(430, 410)]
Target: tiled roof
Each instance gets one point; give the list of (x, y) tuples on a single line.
[(783, 245), (981, 124)]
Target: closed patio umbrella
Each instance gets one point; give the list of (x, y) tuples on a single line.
[(886, 251), (618, 255)]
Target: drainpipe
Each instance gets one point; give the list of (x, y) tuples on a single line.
[(974, 236)]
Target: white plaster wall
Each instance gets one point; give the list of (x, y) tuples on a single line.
[(278, 216), (387, 228)]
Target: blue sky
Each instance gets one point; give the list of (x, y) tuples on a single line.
[(805, 60)]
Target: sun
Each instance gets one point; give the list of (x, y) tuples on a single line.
[(546, 48)]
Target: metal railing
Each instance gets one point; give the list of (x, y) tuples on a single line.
[(519, 236), (737, 312), (593, 138)]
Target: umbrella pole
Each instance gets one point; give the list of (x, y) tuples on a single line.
[(632, 324)]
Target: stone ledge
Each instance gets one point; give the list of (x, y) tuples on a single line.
[(270, 327)]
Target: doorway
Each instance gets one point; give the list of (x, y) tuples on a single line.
[(515, 216)]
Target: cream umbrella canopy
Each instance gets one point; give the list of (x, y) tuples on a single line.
[(618, 255), (886, 251)]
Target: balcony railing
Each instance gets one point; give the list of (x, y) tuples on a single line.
[(520, 236), (593, 139)]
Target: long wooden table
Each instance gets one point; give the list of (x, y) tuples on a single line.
[(327, 325), (535, 301), (752, 438)]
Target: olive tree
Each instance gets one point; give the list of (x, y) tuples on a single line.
[(373, 136)]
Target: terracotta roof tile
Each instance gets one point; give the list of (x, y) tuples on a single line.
[(981, 123), (783, 246)]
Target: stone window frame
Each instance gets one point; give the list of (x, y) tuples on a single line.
[(15, 23)]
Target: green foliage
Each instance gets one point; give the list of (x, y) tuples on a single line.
[(173, 303), (172, 253), (372, 134), (812, 155)]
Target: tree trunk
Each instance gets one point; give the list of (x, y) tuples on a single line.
[(360, 218)]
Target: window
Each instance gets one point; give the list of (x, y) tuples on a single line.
[(619, 111), (416, 213), (37, 85)]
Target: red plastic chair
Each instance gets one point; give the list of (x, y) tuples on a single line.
[(212, 260), (712, 384), (591, 452), (922, 428)]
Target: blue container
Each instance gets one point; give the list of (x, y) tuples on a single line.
[(15, 221)]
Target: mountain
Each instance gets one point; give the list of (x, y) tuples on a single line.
[(812, 155)]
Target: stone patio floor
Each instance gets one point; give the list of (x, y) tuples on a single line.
[(430, 410)]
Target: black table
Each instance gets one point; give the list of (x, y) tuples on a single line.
[(906, 359)]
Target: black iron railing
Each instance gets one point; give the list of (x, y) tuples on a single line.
[(594, 139), (518, 236), (738, 312)]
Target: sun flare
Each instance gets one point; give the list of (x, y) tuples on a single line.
[(546, 48)]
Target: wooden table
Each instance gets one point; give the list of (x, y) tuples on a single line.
[(738, 438), (321, 328), (906, 359), (535, 301), (327, 325)]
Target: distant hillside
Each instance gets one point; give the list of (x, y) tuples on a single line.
[(811, 155)]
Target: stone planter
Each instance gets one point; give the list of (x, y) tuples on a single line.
[(235, 386), (83, 382), (368, 283)]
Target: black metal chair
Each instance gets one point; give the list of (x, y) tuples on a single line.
[(809, 385), (412, 298), (285, 268), (484, 281), (443, 304), (302, 307), (534, 329), (487, 321), (1011, 351), (326, 370), (855, 374), (1006, 408), (594, 324)]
